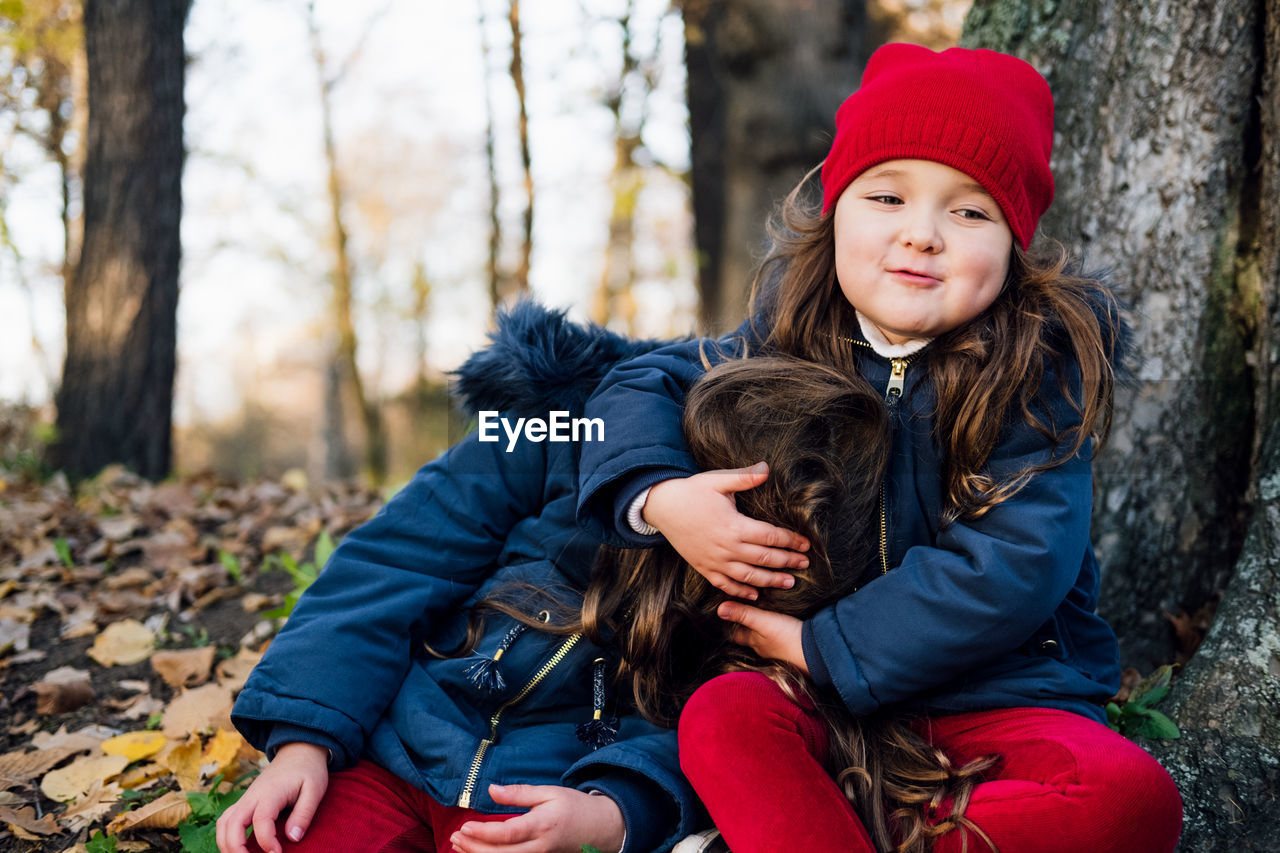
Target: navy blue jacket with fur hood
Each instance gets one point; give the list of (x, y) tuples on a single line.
[(348, 670), (993, 612)]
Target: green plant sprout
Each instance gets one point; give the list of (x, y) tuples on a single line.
[(303, 574), (1137, 716)]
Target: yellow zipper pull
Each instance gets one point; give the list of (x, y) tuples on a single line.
[(897, 374)]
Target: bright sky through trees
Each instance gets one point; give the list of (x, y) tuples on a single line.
[(410, 120)]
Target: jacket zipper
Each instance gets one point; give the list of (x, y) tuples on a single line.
[(473, 773), (892, 394)]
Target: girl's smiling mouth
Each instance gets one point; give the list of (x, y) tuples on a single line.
[(915, 277)]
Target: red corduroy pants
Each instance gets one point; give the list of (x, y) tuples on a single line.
[(1065, 783), (369, 810)]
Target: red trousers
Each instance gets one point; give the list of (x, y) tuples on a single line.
[(368, 810), (1065, 782)]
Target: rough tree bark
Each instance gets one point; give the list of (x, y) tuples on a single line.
[(115, 401), (1228, 700), (1167, 176), (1154, 110), (764, 80)]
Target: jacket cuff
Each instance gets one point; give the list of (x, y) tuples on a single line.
[(813, 658), (283, 733), (648, 814), (626, 495)]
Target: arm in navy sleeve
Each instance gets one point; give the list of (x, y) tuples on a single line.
[(344, 651), (641, 773), (641, 403)]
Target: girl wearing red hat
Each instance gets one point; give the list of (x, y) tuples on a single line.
[(997, 370)]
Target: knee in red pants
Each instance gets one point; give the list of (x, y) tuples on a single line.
[(717, 721), (1064, 783), (755, 758)]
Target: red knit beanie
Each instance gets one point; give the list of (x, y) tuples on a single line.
[(985, 113)]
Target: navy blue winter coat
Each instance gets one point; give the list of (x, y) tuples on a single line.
[(349, 672), (989, 613)]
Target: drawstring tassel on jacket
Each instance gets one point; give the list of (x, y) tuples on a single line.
[(485, 673), (599, 730)]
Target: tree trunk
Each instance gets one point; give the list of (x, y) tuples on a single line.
[(116, 397), (1158, 138), (1155, 114), (614, 299), (492, 273), (375, 452), (1228, 700), (521, 283), (764, 80)]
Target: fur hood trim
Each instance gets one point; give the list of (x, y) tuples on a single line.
[(538, 361)]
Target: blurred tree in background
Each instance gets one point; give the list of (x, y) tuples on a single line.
[(43, 84), (764, 79), (116, 396)]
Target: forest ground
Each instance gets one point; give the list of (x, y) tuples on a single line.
[(128, 607)]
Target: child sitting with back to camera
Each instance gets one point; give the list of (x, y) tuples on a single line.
[(996, 364), (438, 687)]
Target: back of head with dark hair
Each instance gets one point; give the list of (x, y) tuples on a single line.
[(825, 435)]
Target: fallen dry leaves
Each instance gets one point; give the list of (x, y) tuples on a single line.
[(163, 813), (122, 643), (63, 689), (184, 667), (128, 622), (135, 746), (70, 783)]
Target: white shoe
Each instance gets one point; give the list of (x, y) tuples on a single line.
[(709, 841)]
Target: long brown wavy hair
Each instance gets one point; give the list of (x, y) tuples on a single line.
[(825, 435), (985, 372)]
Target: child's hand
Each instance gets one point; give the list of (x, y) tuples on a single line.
[(297, 776), (734, 553), (559, 820), (768, 634)]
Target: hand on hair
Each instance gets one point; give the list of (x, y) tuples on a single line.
[(559, 820), (736, 554), (768, 634)]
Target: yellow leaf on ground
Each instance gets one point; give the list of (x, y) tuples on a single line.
[(207, 707), (183, 761), (136, 778), (162, 813), (184, 667), (222, 752), (123, 643), (135, 746), (75, 780)]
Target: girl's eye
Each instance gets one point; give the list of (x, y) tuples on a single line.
[(975, 215), (886, 199)]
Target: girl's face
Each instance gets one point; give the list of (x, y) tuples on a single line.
[(921, 248)]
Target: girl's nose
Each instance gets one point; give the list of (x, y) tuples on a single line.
[(921, 233)]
